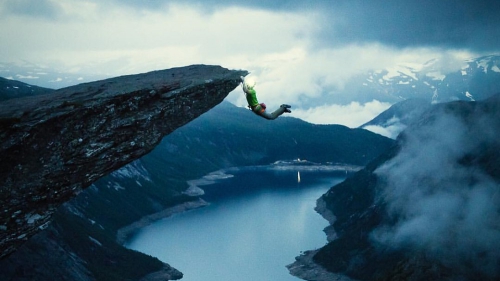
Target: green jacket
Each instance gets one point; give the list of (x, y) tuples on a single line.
[(251, 96)]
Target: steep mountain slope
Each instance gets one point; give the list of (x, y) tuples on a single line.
[(405, 112), (226, 136), (427, 209), (395, 119)]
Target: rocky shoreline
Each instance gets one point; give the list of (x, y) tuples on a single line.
[(193, 190), (304, 266), (166, 273), (123, 233), (194, 185)]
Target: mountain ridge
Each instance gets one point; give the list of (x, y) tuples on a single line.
[(434, 81), (374, 206), (10, 89)]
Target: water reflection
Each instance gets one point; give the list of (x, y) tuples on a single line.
[(258, 221)]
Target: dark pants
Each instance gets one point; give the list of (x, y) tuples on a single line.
[(270, 116)]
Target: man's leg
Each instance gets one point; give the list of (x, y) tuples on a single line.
[(271, 116)]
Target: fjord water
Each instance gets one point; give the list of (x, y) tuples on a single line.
[(256, 224)]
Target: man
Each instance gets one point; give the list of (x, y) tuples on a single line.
[(260, 108)]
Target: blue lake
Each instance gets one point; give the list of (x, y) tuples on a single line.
[(256, 224)]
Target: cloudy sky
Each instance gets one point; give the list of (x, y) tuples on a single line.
[(297, 49)]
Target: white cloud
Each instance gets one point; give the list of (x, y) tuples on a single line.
[(351, 115), (20, 76), (138, 41), (58, 79), (390, 129), (95, 39), (121, 40)]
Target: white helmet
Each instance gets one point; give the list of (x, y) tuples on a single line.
[(248, 83)]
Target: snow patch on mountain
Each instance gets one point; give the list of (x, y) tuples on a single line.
[(95, 241), (467, 94), (114, 185), (435, 75), (132, 170), (401, 71), (483, 64)]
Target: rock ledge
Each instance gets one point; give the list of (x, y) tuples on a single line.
[(53, 146)]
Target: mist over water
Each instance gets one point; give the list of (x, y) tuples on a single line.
[(257, 223)]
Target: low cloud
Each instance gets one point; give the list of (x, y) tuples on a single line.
[(390, 129), (20, 76), (470, 24), (443, 208), (351, 115), (109, 39)]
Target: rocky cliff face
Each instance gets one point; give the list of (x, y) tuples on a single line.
[(427, 209), (53, 146)]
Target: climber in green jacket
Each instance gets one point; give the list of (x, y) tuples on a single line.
[(260, 108)]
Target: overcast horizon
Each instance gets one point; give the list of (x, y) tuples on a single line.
[(299, 50)]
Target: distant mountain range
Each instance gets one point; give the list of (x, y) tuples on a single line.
[(10, 89), (414, 89), (44, 76), (434, 81), (476, 80)]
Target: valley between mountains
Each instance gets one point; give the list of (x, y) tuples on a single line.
[(422, 206)]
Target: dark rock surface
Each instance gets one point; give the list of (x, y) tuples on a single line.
[(167, 273), (53, 257), (53, 146)]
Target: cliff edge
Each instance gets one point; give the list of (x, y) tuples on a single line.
[(53, 146)]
